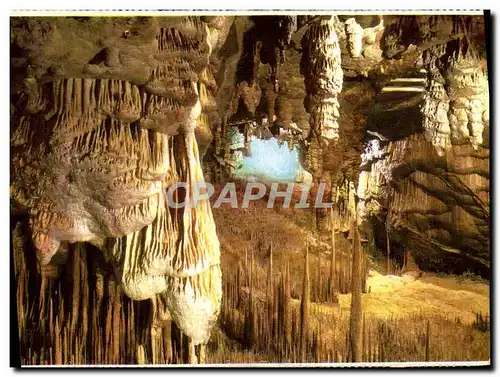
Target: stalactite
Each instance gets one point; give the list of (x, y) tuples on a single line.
[(112, 143), (354, 33), (79, 105), (435, 112), (320, 65), (94, 157), (468, 116)]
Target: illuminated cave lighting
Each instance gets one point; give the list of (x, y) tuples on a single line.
[(268, 161)]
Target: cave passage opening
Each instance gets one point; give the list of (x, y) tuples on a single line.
[(270, 161)]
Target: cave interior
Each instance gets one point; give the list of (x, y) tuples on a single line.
[(390, 112)]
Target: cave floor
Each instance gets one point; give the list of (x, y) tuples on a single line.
[(398, 311), (444, 305), (452, 297)]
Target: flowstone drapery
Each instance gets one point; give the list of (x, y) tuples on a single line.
[(95, 148)]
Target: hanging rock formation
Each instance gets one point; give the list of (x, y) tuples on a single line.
[(101, 129), (323, 75), (354, 33), (435, 109)]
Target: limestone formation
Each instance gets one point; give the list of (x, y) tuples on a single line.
[(114, 119), (468, 84), (354, 33), (321, 67), (105, 146), (435, 113)]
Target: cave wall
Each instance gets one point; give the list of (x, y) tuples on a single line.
[(425, 170)]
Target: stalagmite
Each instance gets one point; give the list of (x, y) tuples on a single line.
[(332, 286), (356, 313), (388, 251), (270, 286), (304, 309)]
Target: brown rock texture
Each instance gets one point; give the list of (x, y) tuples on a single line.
[(104, 123), (109, 113)]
